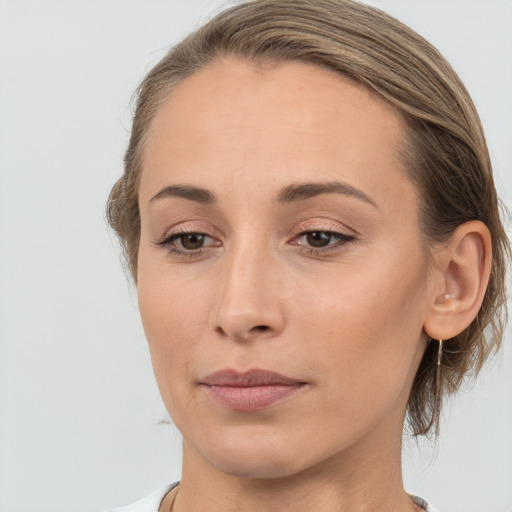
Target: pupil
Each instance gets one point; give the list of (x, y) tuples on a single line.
[(192, 241), (318, 238)]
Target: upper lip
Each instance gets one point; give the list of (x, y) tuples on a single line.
[(250, 378)]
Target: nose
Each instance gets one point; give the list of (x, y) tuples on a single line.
[(249, 304)]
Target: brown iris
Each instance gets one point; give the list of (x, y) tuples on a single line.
[(192, 241), (318, 238)]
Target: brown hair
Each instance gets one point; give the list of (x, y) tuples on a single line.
[(447, 156)]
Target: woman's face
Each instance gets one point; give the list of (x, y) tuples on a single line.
[(282, 282)]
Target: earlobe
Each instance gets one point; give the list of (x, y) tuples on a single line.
[(463, 267)]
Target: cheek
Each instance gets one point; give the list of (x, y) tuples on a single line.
[(367, 328), (174, 321)]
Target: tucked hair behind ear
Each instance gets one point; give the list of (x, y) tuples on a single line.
[(445, 155)]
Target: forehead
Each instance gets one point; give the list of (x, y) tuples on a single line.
[(282, 120)]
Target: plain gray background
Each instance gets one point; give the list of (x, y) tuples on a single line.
[(79, 408)]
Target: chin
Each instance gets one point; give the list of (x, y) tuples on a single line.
[(261, 464), (256, 453)]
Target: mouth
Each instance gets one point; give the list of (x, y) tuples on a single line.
[(249, 391)]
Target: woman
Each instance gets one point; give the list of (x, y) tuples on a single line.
[(309, 213)]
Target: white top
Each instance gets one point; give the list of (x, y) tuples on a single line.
[(151, 503)]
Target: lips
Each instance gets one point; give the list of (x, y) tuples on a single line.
[(249, 391)]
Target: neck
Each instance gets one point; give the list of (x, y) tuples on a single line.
[(363, 479)]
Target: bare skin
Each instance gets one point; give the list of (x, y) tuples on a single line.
[(242, 267)]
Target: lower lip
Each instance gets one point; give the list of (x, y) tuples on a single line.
[(253, 398)]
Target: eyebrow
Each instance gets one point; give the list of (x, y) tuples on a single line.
[(289, 194), (197, 194), (301, 191)]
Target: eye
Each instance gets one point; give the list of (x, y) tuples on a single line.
[(318, 241), (187, 243)]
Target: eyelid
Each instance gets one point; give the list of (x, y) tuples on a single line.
[(167, 240), (177, 233), (340, 235), (325, 225), (190, 225), (335, 234), (323, 218)]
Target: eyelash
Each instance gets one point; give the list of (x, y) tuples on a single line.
[(342, 240), (166, 242)]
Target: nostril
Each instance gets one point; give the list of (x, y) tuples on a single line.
[(261, 328), (240, 333)]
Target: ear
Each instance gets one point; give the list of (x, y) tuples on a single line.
[(460, 277)]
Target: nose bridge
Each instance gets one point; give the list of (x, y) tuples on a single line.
[(248, 304)]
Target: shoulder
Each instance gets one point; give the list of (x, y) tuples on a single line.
[(422, 503), (149, 503)]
